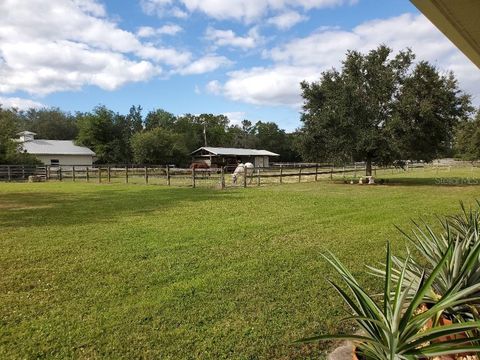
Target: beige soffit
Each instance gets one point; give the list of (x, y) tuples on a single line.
[(459, 20)]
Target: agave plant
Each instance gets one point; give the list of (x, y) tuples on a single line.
[(461, 270), (395, 329)]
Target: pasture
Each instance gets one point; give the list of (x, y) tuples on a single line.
[(134, 271)]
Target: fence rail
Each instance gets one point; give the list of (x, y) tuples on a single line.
[(172, 176)]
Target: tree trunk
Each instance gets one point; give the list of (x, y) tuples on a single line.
[(368, 167)]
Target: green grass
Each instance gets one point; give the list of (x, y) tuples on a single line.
[(133, 271)]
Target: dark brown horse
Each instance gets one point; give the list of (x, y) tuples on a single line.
[(202, 166)]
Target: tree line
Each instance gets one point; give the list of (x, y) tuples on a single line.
[(159, 137), (379, 107)]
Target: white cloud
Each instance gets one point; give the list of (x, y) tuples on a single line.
[(73, 44), (305, 59), (214, 87), (205, 64), (169, 29), (19, 103), (287, 20), (230, 39), (278, 85), (235, 117), (242, 10)]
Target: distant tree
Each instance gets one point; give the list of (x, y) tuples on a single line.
[(215, 127), (467, 139), (159, 146), (53, 124), (376, 109), (10, 150), (135, 119), (160, 118), (248, 139), (269, 136), (97, 132)]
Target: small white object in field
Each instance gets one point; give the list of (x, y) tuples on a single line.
[(351, 181), (360, 181), (371, 180)]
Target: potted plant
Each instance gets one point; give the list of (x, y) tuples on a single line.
[(459, 243), (396, 329)]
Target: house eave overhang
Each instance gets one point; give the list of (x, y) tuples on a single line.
[(458, 21)]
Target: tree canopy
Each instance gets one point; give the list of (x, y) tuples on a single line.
[(467, 139), (380, 107)]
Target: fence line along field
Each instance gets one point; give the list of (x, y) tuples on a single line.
[(123, 271), (214, 177)]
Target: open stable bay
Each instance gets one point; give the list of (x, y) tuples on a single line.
[(134, 271)]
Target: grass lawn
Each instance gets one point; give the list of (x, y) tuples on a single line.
[(133, 271)]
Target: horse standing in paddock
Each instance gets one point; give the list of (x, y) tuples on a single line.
[(202, 166), (240, 171)]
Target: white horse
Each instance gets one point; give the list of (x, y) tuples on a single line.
[(240, 171)]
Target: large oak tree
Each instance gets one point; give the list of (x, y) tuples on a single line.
[(380, 108)]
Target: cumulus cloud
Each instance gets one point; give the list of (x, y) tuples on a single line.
[(19, 103), (235, 117), (242, 10), (229, 38), (205, 64), (148, 31), (214, 87), (74, 44), (287, 20), (305, 58)]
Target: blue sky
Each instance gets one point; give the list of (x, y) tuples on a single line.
[(242, 58)]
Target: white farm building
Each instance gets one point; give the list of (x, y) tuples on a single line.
[(55, 152)]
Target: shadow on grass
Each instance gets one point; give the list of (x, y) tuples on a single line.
[(41, 208)]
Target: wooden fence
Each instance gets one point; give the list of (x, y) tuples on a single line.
[(172, 176)]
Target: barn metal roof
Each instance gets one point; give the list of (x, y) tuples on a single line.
[(55, 147), (235, 151)]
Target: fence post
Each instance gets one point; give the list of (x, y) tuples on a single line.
[(316, 172), (222, 177), (48, 172), (126, 174), (9, 173), (193, 177), (281, 174), (355, 170), (60, 176), (331, 173), (343, 172), (258, 177), (300, 174), (168, 175), (244, 176), (109, 176), (375, 170), (73, 173), (23, 172), (88, 175), (146, 174)]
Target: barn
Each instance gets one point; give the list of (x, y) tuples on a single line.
[(219, 156), (55, 152)]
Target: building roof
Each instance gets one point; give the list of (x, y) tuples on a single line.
[(458, 20), (235, 151), (21, 133), (55, 147)]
